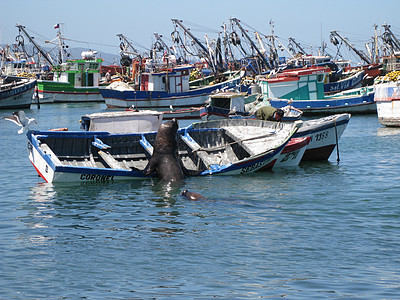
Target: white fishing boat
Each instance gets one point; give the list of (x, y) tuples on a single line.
[(16, 92), (224, 147), (387, 98), (325, 134)]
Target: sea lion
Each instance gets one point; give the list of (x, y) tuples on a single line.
[(192, 195), (165, 160)]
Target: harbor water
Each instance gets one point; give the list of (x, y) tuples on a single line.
[(323, 230)]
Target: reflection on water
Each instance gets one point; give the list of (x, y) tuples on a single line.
[(318, 231), (386, 131)]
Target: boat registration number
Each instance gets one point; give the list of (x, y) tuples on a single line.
[(254, 167), (321, 136)]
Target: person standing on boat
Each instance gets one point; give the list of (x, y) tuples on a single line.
[(269, 113), (108, 75)]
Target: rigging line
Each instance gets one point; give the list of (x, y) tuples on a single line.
[(352, 34), (247, 25), (86, 42), (137, 44), (202, 27), (36, 34)]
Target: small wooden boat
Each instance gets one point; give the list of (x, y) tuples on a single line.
[(223, 147), (16, 92)]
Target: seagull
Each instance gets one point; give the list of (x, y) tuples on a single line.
[(19, 118)]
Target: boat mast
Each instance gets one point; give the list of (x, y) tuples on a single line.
[(302, 51), (227, 47), (262, 57), (162, 43), (202, 47), (334, 34), (60, 46), (390, 38), (125, 45), (376, 43), (44, 54), (274, 53)]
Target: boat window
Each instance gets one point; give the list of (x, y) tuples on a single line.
[(320, 77), (221, 102), (90, 81)]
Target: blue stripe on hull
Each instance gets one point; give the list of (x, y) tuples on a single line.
[(354, 104)]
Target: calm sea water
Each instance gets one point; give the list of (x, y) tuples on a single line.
[(323, 230)]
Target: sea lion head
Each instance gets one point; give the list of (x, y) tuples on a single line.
[(191, 195), (166, 137)]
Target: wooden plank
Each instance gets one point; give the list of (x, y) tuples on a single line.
[(197, 149), (110, 160)]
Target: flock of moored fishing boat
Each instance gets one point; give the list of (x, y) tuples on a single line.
[(224, 93)]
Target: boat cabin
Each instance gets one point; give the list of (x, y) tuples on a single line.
[(117, 122), (296, 84), (228, 100), (175, 80), (79, 72), (22, 66), (391, 63)]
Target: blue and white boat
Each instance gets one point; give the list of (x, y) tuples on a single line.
[(163, 89), (306, 88), (346, 83), (16, 92), (223, 147)]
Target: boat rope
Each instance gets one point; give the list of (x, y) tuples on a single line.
[(337, 142)]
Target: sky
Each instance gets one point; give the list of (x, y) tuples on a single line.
[(95, 24)]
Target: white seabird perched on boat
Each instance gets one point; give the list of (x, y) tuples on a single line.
[(19, 118)]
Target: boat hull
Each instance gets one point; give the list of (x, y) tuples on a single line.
[(324, 136), (389, 112), (64, 92), (345, 84), (362, 104), (293, 153), (387, 97), (19, 96)]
